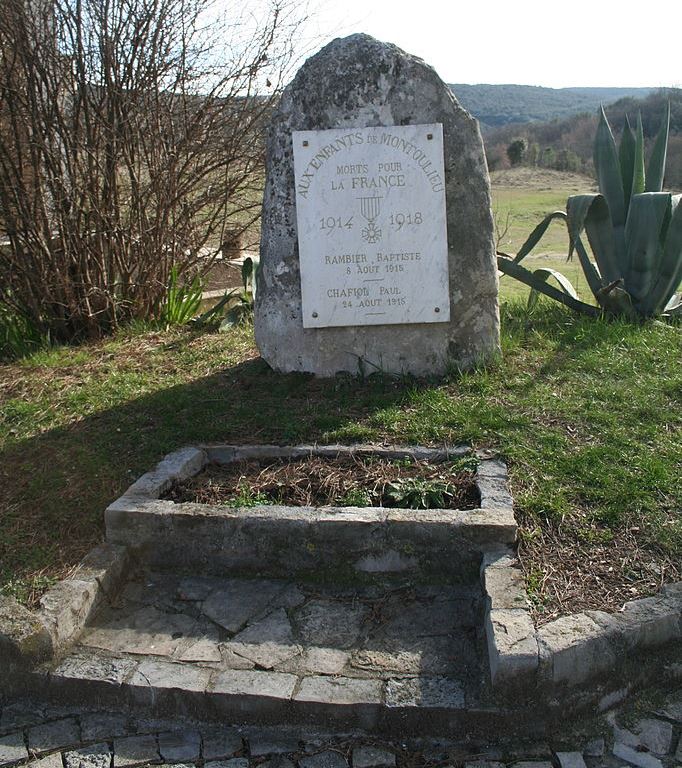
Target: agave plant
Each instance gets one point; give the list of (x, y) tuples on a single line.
[(634, 230)]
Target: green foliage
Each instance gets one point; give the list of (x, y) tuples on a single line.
[(634, 230), (236, 306), (516, 151), (247, 497), (356, 497), (414, 493), (182, 301), (18, 336)]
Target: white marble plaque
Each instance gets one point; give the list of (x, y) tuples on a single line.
[(372, 233)]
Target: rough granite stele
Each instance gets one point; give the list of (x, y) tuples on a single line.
[(359, 83)]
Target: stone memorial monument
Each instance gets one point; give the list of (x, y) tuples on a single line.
[(377, 248)]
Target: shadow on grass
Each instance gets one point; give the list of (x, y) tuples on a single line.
[(56, 485)]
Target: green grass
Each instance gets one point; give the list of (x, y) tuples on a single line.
[(586, 413)]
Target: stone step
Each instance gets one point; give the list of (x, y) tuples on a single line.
[(338, 544), (377, 657)]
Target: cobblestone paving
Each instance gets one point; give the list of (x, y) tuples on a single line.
[(218, 630), (645, 735)]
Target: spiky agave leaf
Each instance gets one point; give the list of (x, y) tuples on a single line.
[(607, 168), (638, 174), (645, 235), (669, 271), (656, 170), (626, 157), (544, 273), (536, 235), (591, 213)]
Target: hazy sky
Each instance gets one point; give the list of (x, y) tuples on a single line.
[(531, 42)]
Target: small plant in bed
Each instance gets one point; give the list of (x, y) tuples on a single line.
[(358, 481)]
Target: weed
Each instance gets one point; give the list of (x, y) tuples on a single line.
[(247, 497)]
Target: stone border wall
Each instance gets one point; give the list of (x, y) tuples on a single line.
[(30, 637), (571, 650), (340, 542)]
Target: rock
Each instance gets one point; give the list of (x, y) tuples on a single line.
[(94, 756), (351, 84), (574, 648), (570, 760), (24, 639), (512, 644), (632, 756), (12, 749), (656, 735), (135, 750)]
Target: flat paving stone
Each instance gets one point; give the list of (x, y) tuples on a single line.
[(330, 758), (255, 683), (333, 624), (266, 639), (20, 715), (103, 725), (206, 649), (239, 601), (94, 756), (95, 666), (221, 744), (267, 642), (12, 748), (153, 674), (425, 692), (145, 631), (315, 660), (136, 750), (56, 735), (339, 690), (180, 746)]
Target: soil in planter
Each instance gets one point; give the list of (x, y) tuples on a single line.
[(349, 481)]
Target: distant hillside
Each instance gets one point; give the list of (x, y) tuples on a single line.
[(567, 144), (495, 105)]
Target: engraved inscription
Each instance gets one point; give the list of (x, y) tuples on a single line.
[(370, 206)]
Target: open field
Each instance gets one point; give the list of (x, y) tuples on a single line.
[(522, 197)]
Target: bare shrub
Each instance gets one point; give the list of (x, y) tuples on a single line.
[(130, 142)]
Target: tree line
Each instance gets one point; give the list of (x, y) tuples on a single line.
[(566, 145)]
